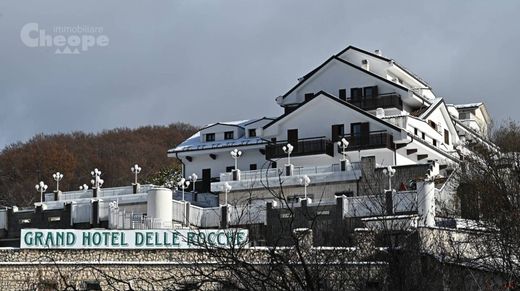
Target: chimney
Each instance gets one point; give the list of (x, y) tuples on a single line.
[(378, 52)]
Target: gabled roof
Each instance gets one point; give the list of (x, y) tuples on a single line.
[(467, 106), (239, 123), (350, 47), (436, 103), (256, 120), (310, 74), (336, 99), (431, 108)]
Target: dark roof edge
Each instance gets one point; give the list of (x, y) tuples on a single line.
[(220, 123), (387, 60), (339, 101)]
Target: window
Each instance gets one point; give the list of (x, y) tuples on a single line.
[(252, 167), (415, 131), (370, 91), (338, 131), (434, 142), (228, 135), (24, 221), (252, 132), (446, 137), (423, 136), (432, 124), (54, 219), (464, 115), (274, 165), (343, 94), (356, 93), (210, 137)]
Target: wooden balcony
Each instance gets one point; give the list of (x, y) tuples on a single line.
[(304, 147)]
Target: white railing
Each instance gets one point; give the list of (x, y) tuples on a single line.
[(405, 201), (178, 211), (211, 217), (196, 214), (265, 178), (373, 205), (3, 218), (102, 193), (270, 173), (81, 212), (247, 214)]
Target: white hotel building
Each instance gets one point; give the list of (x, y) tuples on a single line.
[(382, 109)]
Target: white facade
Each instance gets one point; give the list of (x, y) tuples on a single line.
[(380, 107)]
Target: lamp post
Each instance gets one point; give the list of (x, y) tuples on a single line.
[(183, 184), (57, 177), (193, 179), (305, 181), (136, 170), (390, 172), (227, 188), (83, 187), (288, 149), (235, 154), (97, 182), (343, 143), (41, 187)]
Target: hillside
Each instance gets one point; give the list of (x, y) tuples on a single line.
[(23, 165)]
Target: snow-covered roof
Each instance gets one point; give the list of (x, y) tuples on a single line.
[(195, 143), (469, 105)]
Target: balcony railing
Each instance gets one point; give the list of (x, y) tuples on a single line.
[(374, 140), (306, 146), (391, 100)]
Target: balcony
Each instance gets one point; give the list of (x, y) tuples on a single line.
[(260, 179), (390, 100), (372, 140), (304, 147)]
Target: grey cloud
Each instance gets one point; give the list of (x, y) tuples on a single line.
[(205, 61)]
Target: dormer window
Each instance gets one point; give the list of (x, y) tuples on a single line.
[(252, 132), (210, 137), (228, 135)]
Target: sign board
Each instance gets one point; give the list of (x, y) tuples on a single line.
[(132, 239)]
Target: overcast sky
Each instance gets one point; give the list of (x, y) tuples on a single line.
[(206, 61)]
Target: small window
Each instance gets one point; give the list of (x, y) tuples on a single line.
[(446, 137), (228, 135), (252, 167), (434, 142), (415, 131), (423, 136), (229, 169), (273, 139), (343, 94), (24, 221), (274, 165), (210, 137), (54, 219), (252, 132), (356, 93), (370, 91), (463, 115), (432, 124)]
